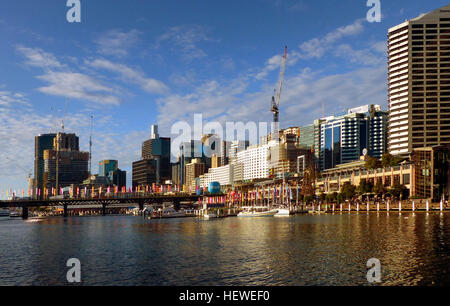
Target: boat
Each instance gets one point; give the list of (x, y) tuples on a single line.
[(210, 216), (253, 213), (283, 212), (170, 212), (15, 214)]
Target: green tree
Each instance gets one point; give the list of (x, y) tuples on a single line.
[(331, 197), (379, 188), (365, 187), (339, 198), (348, 190), (388, 160), (372, 163), (398, 189)]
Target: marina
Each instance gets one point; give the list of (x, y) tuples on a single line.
[(320, 250)]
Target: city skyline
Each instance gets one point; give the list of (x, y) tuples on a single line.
[(341, 64)]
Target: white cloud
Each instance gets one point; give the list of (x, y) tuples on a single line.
[(316, 47), (65, 83), (131, 75), (186, 40), (77, 86), (117, 42), (9, 99), (38, 58)]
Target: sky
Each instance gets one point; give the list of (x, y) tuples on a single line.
[(131, 64)]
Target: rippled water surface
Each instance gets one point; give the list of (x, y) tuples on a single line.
[(302, 250)]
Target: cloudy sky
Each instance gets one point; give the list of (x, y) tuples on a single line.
[(134, 63)]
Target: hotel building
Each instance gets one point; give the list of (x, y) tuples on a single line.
[(419, 82)]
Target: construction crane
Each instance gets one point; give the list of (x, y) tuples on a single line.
[(90, 146), (277, 94), (21, 167)]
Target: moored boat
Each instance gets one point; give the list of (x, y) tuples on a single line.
[(253, 213)]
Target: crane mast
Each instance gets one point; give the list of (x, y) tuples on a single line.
[(276, 100), (90, 146)]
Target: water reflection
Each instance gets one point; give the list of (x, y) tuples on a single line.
[(305, 250)]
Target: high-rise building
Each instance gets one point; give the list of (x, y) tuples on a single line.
[(106, 166), (378, 131), (143, 172), (64, 164), (344, 137), (236, 147), (306, 137), (41, 143), (110, 169), (155, 160), (194, 170), (419, 82)]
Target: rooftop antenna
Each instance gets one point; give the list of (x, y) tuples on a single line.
[(64, 115)]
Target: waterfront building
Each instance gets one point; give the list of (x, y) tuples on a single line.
[(143, 172), (42, 142), (193, 170), (72, 167), (106, 166), (155, 159), (223, 175), (425, 174), (237, 146), (255, 161), (110, 169), (306, 136), (343, 138), (419, 82), (378, 131)]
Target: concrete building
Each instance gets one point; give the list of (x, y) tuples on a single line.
[(110, 169), (255, 161), (344, 137), (155, 160), (64, 164), (419, 82), (72, 168), (193, 170), (236, 147), (223, 175), (425, 175)]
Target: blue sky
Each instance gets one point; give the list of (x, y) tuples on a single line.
[(134, 63)]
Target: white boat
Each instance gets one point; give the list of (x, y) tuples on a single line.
[(253, 213), (283, 212), (210, 216), (170, 212)]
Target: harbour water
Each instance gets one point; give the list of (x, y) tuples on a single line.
[(414, 249)]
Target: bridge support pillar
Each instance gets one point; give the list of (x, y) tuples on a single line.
[(25, 212), (103, 209), (65, 211), (176, 205)]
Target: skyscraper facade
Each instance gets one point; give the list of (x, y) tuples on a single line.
[(155, 166), (419, 82), (42, 142)]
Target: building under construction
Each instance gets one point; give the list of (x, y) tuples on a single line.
[(72, 165)]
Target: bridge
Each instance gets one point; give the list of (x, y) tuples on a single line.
[(103, 201)]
